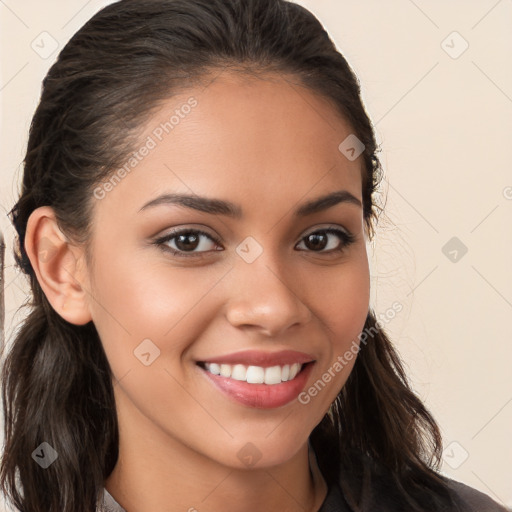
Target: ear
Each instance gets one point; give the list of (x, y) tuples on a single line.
[(59, 266)]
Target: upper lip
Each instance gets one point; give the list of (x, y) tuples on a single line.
[(261, 358)]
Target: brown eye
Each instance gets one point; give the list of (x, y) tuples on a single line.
[(188, 242), (327, 240), (316, 241)]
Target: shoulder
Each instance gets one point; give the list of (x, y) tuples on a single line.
[(373, 487), (473, 500)]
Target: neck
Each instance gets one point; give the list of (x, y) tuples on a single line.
[(156, 472)]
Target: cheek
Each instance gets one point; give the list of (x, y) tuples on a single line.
[(136, 300), (341, 299)]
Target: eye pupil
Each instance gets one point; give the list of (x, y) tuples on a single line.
[(319, 241), (183, 246)]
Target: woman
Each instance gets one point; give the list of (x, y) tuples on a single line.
[(196, 202)]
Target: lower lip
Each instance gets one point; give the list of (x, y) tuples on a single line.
[(262, 396)]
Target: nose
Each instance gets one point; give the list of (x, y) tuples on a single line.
[(265, 299)]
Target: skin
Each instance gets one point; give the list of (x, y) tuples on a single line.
[(269, 147)]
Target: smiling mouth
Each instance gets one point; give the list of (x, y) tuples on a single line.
[(270, 375), (259, 379)]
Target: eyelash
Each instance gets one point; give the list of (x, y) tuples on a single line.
[(345, 237)]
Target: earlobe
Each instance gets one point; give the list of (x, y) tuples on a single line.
[(59, 266)]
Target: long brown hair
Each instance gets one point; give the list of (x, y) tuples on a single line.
[(56, 380)]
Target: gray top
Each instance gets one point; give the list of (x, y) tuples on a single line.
[(109, 504)]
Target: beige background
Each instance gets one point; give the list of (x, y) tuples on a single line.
[(444, 119)]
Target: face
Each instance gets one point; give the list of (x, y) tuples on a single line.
[(226, 314)]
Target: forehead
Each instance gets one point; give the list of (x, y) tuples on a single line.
[(244, 136), (257, 109)]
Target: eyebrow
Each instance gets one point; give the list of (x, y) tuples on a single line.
[(221, 207)]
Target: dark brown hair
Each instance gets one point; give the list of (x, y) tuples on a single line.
[(56, 380)]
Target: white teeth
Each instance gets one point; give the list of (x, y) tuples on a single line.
[(273, 375), (294, 369), (225, 370), (214, 368), (285, 372), (255, 374), (239, 372)]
